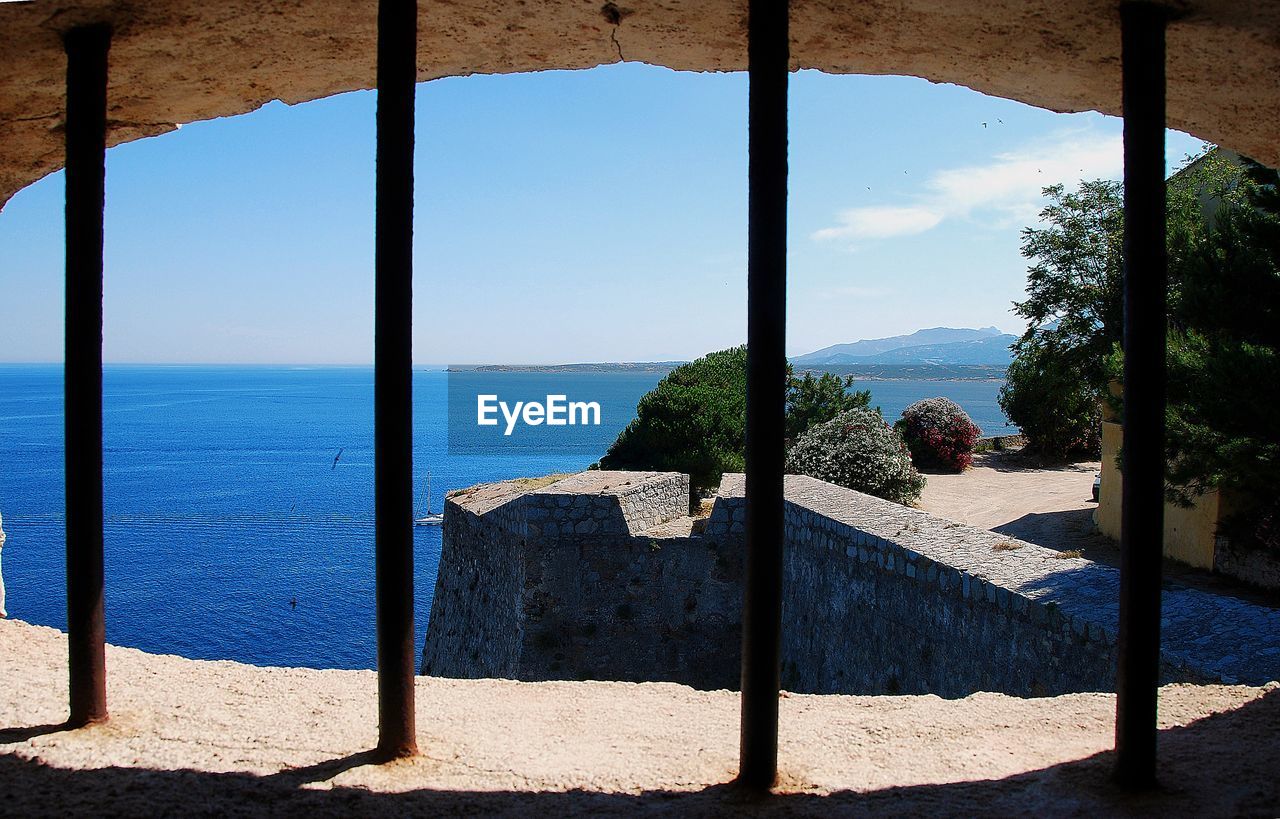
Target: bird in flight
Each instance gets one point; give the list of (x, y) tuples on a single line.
[(335, 459)]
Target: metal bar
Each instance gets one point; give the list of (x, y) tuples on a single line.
[(1142, 503), (768, 57), (393, 375), (86, 142)]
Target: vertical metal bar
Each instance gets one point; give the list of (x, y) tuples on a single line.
[(768, 57), (86, 141), (393, 375), (1142, 503)]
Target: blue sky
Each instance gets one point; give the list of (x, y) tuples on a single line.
[(560, 216)]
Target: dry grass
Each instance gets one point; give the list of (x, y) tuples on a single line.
[(530, 484), (523, 484), (1070, 553), (1007, 546)]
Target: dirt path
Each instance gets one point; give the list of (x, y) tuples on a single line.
[(219, 738), (1052, 506)]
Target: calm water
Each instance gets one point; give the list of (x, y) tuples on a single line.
[(223, 502), (977, 398)]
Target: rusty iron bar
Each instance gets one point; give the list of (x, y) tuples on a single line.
[(768, 57), (1142, 502), (86, 143), (393, 375)]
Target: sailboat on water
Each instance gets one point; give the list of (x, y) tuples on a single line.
[(431, 518)]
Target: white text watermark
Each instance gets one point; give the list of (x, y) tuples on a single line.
[(557, 411)]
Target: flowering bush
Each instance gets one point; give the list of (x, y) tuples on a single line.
[(858, 450), (939, 434)]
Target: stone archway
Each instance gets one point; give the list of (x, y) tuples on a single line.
[(178, 61), (179, 65)]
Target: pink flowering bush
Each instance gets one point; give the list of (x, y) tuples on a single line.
[(939, 434)]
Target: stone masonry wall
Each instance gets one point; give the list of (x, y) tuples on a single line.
[(474, 630), (594, 503), (883, 598), (564, 583), (584, 579), (1252, 566)]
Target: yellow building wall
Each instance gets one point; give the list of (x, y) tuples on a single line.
[(1107, 515), (1188, 532)]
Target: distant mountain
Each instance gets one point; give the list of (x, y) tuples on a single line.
[(937, 345), (859, 350), (909, 372), (993, 350)]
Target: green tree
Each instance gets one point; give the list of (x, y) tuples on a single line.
[(1075, 299), (1050, 397), (1074, 314), (1224, 341), (1223, 363), (813, 401), (693, 421), (1074, 303)]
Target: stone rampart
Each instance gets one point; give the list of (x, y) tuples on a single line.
[(883, 598), (595, 576), (878, 598)]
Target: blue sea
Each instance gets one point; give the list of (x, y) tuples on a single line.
[(224, 502)]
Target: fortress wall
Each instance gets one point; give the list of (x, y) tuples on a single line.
[(878, 598), (579, 580)]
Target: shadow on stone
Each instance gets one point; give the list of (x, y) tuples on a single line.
[(9, 736)]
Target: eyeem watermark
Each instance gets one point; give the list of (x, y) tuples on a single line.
[(556, 411), (555, 420)]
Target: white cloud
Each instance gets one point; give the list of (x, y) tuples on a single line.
[(880, 222), (1006, 190)]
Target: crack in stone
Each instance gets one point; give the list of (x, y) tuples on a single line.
[(613, 16), (35, 118), (617, 45)]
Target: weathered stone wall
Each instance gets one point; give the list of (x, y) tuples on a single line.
[(878, 598), (600, 503), (476, 610), (635, 608), (1252, 566), (178, 61), (585, 579)]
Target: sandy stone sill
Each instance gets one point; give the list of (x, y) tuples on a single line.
[(224, 738)]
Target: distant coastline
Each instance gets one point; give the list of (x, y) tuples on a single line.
[(603, 367), (861, 372)]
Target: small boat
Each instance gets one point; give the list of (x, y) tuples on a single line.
[(431, 518)]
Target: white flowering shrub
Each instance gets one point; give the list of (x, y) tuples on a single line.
[(858, 450)]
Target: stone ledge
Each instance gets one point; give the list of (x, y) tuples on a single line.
[(591, 503)]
